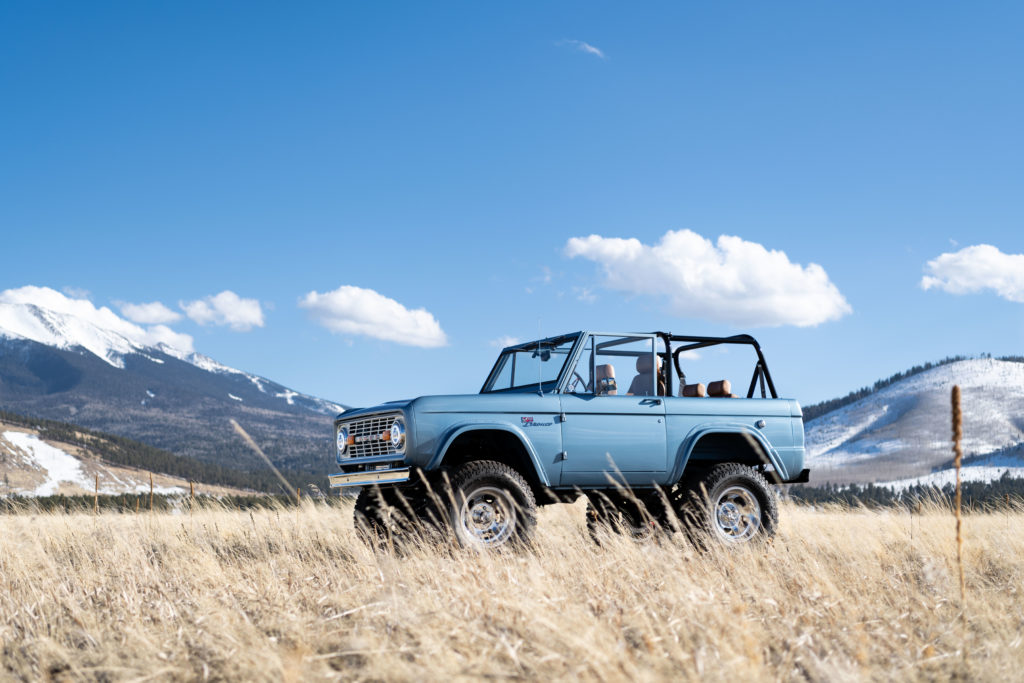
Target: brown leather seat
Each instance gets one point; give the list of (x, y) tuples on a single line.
[(697, 390), (605, 380), (642, 385), (721, 389)]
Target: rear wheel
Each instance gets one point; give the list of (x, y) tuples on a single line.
[(730, 505), (492, 506)]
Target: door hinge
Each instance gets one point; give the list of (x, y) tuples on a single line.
[(561, 418), (564, 455)]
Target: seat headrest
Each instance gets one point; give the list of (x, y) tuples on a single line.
[(722, 388), (694, 390), (643, 363), (605, 379)]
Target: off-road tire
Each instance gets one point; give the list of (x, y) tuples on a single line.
[(491, 506), (610, 514), (372, 514), (398, 516), (729, 505)]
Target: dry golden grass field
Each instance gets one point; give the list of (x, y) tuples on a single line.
[(294, 595)]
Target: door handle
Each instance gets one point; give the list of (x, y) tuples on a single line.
[(651, 402)]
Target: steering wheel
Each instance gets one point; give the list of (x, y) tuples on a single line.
[(576, 379)]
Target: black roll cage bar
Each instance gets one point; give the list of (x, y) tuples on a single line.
[(761, 373)]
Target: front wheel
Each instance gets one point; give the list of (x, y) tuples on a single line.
[(399, 516), (731, 504), (492, 506)]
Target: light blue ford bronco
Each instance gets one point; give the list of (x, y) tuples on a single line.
[(603, 415)]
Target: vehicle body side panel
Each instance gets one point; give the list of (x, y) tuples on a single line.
[(605, 435)]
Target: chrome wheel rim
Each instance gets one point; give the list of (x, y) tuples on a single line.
[(488, 516), (737, 514)]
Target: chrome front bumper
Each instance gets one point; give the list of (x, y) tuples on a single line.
[(395, 476)]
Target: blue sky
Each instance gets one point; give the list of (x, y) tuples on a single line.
[(444, 156)]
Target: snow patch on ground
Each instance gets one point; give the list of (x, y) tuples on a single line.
[(235, 398), (61, 467), (58, 465), (288, 395)]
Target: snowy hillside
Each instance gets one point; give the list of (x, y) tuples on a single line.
[(33, 467), (903, 431)]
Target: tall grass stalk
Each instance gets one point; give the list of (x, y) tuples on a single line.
[(958, 454)]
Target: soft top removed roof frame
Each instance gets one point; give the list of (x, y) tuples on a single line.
[(692, 343)]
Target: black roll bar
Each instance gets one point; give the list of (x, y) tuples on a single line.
[(692, 343)]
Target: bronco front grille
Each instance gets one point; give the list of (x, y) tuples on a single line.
[(367, 437)]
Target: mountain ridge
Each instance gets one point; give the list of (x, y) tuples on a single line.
[(816, 410), (78, 364)]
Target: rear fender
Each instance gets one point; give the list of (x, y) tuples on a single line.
[(697, 433)]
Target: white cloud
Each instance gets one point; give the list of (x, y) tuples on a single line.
[(975, 268), (583, 46), (354, 310), (226, 308), (732, 280), (502, 342), (148, 314)]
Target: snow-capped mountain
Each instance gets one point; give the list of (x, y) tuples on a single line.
[(904, 431), (65, 359), (66, 323)]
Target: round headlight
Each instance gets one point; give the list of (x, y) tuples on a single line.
[(398, 433), (342, 440)]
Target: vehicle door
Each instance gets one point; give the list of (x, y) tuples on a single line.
[(607, 431)]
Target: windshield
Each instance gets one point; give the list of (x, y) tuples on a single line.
[(535, 366)]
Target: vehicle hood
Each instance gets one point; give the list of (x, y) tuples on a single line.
[(451, 403), (390, 405)]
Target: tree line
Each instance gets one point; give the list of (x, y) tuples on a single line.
[(998, 494), (121, 451)]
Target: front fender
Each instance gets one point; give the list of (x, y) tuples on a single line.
[(459, 430), (689, 442)]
